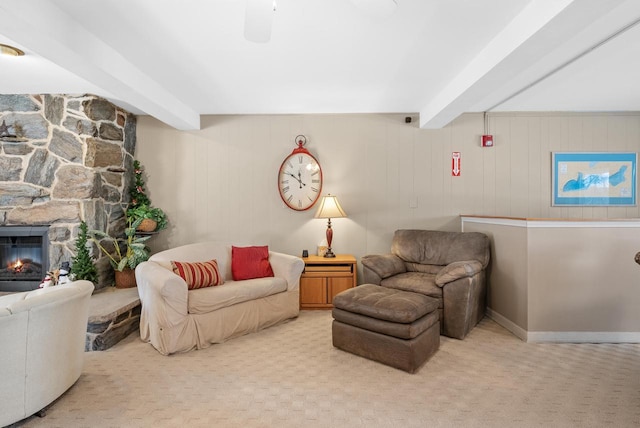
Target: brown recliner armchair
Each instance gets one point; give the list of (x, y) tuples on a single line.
[(449, 266)]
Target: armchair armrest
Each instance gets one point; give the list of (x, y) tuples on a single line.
[(457, 270), (288, 267), (384, 265), (163, 294)]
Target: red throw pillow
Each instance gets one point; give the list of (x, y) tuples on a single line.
[(198, 274), (250, 262)]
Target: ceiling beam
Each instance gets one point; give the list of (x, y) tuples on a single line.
[(536, 43), (46, 30)]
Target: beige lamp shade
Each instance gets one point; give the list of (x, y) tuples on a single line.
[(330, 208)]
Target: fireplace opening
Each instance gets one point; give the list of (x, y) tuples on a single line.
[(24, 257)]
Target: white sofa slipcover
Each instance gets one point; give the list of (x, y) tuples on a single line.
[(175, 319), (42, 338)]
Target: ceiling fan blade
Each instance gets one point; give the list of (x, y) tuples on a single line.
[(258, 19), (382, 8)]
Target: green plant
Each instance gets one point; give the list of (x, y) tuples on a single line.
[(82, 265), (146, 211), (140, 206), (137, 190), (134, 252)]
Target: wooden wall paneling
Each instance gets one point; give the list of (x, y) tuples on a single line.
[(587, 144), (633, 145), (616, 139), (599, 143), (489, 180), (473, 191), (405, 175), (202, 156), (376, 190), (446, 138), (441, 178), (351, 232), (575, 143), (239, 190), (192, 174), (519, 165), (557, 143), (536, 168), (423, 166), (456, 143), (503, 165), (545, 168)]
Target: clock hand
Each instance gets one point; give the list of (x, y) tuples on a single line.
[(288, 173), (299, 181)]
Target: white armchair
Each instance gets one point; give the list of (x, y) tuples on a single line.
[(42, 339)]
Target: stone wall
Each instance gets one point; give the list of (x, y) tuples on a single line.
[(64, 159)]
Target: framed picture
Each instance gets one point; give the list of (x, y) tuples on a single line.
[(593, 179)]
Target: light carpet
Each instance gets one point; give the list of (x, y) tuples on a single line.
[(291, 376)]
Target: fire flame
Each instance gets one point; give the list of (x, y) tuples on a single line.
[(17, 266)]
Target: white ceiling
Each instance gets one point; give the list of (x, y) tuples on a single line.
[(176, 60)]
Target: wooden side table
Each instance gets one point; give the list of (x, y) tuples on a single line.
[(323, 278)]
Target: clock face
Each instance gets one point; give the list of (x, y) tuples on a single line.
[(300, 180)]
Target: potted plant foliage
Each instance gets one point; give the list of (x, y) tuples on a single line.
[(153, 219), (127, 253)]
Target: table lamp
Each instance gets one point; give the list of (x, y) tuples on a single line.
[(329, 208)]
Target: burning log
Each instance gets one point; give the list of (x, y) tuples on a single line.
[(18, 266)]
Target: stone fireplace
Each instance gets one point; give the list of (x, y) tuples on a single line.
[(65, 159)]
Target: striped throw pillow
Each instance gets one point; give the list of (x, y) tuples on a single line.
[(198, 274)]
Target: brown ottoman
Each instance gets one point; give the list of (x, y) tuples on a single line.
[(397, 328)]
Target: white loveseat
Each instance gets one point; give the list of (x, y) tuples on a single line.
[(42, 337), (175, 319)]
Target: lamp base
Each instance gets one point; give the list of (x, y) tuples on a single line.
[(329, 253)]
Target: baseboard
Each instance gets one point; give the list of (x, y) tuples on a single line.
[(584, 336), (518, 331), (564, 336)]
